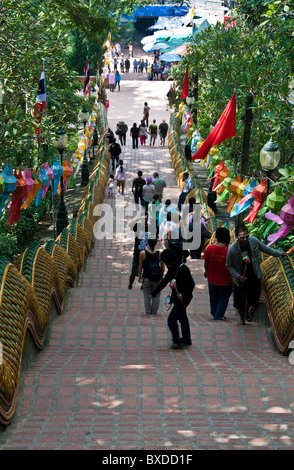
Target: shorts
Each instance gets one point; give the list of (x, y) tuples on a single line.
[(249, 291)]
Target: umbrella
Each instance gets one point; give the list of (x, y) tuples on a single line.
[(159, 45), (170, 57), (180, 50)]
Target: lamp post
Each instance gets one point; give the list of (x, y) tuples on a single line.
[(61, 144), (85, 167), (190, 100), (269, 159), (85, 117)]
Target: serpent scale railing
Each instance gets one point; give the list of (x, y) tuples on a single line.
[(42, 274), (277, 273)]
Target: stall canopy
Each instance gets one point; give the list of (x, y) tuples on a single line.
[(170, 57), (151, 11)]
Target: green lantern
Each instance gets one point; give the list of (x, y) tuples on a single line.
[(275, 200)]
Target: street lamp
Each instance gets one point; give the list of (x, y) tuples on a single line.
[(61, 144), (269, 159), (190, 99), (84, 117)]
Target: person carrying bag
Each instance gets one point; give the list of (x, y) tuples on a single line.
[(150, 274)]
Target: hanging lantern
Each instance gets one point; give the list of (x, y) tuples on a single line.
[(246, 201), (33, 193), (66, 180), (82, 145), (72, 177), (57, 172), (195, 138), (224, 173), (217, 171), (286, 219), (240, 190), (275, 200), (259, 194), (233, 192), (17, 196), (44, 181), (215, 160), (213, 151), (50, 174), (199, 143), (9, 179), (226, 184)]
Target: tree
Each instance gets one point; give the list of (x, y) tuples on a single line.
[(247, 61)]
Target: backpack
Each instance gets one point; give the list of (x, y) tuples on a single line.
[(143, 241), (139, 186), (152, 270), (115, 149)]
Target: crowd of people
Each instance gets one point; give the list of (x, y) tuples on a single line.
[(138, 133), (164, 234), (116, 64)]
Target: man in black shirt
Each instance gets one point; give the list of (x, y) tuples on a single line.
[(115, 150), (137, 188)]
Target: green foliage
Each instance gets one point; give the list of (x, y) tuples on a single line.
[(243, 60), (13, 239), (31, 32)]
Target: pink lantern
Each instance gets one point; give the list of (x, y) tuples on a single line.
[(286, 219)]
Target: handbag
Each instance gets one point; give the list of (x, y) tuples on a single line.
[(168, 300)]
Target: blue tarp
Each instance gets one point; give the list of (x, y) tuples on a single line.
[(160, 10)]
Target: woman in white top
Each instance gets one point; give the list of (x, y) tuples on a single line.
[(148, 191), (120, 177), (143, 133)]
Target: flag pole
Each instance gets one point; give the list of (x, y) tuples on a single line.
[(50, 160)]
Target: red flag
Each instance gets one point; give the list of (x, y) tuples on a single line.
[(185, 91), (224, 128), (87, 79), (41, 100)]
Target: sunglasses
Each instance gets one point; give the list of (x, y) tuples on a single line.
[(244, 237)]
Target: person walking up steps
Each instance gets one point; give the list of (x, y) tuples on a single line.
[(137, 188), (148, 191), (117, 80), (115, 150), (134, 133), (159, 184), (111, 80), (150, 274), (244, 266), (218, 277), (140, 228), (182, 284), (146, 110), (153, 132), (163, 128), (120, 176), (143, 133)]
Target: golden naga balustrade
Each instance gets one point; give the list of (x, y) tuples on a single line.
[(41, 275), (277, 273)]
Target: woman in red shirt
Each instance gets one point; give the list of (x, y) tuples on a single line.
[(218, 277)]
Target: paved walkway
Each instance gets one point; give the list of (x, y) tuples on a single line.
[(107, 379)]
